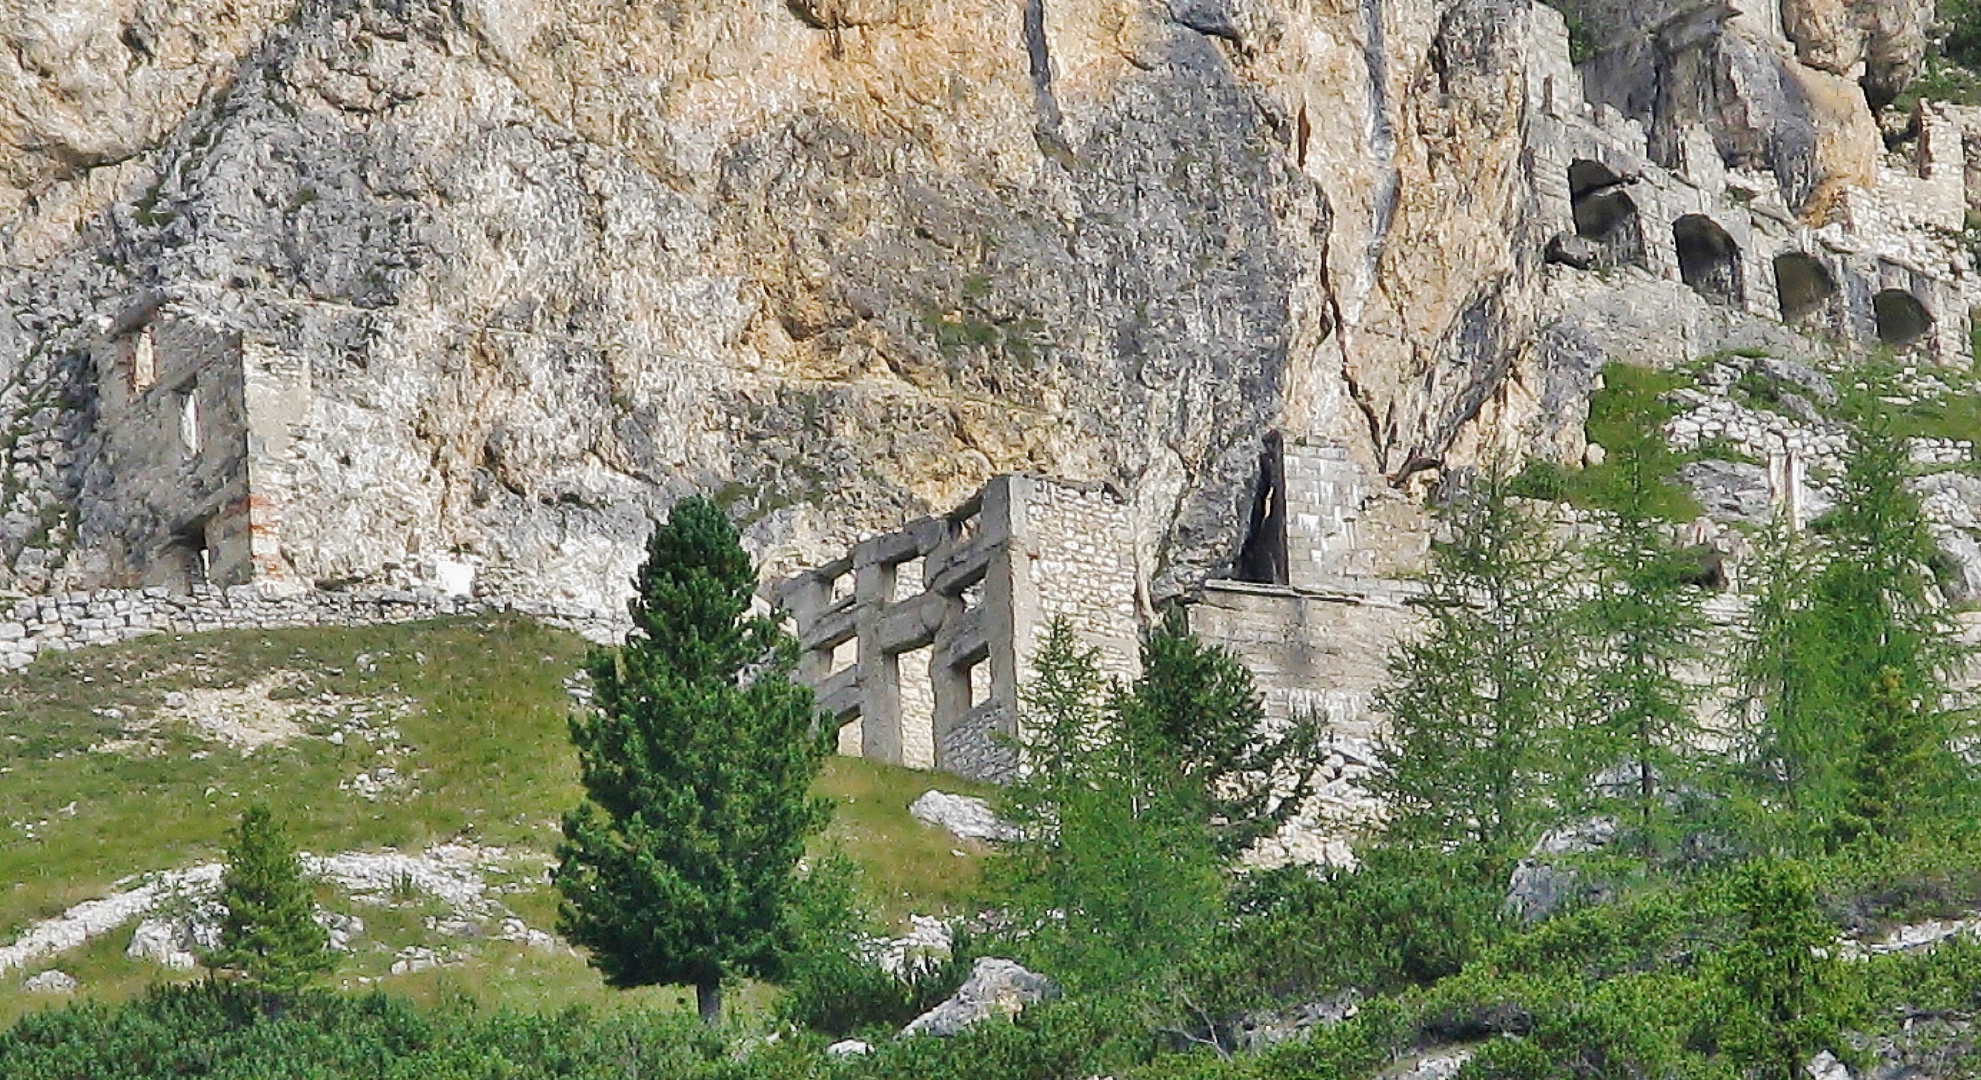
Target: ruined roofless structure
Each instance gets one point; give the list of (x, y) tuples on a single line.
[(920, 640)]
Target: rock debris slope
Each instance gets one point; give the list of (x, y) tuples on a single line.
[(519, 274)]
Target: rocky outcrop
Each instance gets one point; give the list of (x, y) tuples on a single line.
[(1787, 104), (995, 988), (1886, 37), (497, 283), (965, 816)]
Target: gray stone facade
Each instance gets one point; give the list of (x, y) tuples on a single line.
[(958, 603), (955, 604)]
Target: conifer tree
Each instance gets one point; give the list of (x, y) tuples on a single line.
[(1781, 995), (1114, 874), (1195, 713), (1845, 663), (697, 760), (1787, 708), (1476, 702), (269, 936), (1642, 621), (1895, 640)]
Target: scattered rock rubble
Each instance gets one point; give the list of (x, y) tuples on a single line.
[(94, 918), (179, 915), (927, 942), (265, 712)]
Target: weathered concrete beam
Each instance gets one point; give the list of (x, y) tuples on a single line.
[(831, 627), (839, 695), (964, 645), (912, 623)]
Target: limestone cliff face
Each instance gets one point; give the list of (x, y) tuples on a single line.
[(1784, 87), (531, 270)]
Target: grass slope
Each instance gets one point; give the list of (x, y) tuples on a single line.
[(472, 711)]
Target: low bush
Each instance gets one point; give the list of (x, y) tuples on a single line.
[(1400, 919)]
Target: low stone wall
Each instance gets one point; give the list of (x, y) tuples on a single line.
[(32, 625)]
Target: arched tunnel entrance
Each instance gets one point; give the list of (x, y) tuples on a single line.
[(1902, 319), (1804, 285), (1708, 259), (1605, 214)]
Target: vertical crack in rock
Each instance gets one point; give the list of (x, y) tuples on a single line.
[(1382, 134), (1040, 57)]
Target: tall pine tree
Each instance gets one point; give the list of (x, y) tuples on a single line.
[(1845, 662), (1114, 876), (1896, 638), (1195, 713), (1476, 701), (697, 760), (1637, 743), (1788, 713)]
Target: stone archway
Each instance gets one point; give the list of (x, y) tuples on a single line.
[(1605, 215), (1902, 319), (1804, 285), (1708, 259)]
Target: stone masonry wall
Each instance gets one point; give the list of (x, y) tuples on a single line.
[(1082, 568), (33, 625)]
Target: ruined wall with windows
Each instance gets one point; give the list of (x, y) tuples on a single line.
[(194, 469), (171, 479), (1863, 267), (918, 641), (958, 604)]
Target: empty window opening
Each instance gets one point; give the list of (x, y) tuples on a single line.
[(1708, 259), (844, 655), (189, 419), (917, 707), (144, 362), (1804, 284), (842, 587), (1262, 559), (1902, 319), (1605, 215), (850, 735), (980, 680), (908, 580)]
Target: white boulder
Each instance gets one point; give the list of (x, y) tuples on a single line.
[(965, 815), (996, 987), (51, 982)]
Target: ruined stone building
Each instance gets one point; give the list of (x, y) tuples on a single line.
[(198, 421), (919, 640)]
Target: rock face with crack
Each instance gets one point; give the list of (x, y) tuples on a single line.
[(342, 293), (518, 277)]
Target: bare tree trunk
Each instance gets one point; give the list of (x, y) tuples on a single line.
[(708, 1001)]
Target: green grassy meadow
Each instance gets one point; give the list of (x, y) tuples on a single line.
[(470, 715)]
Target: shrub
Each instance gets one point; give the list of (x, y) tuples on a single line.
[(832, 982), (1403, 918), (1540, 479)]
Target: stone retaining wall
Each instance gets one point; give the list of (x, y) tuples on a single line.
[(32, 625)]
